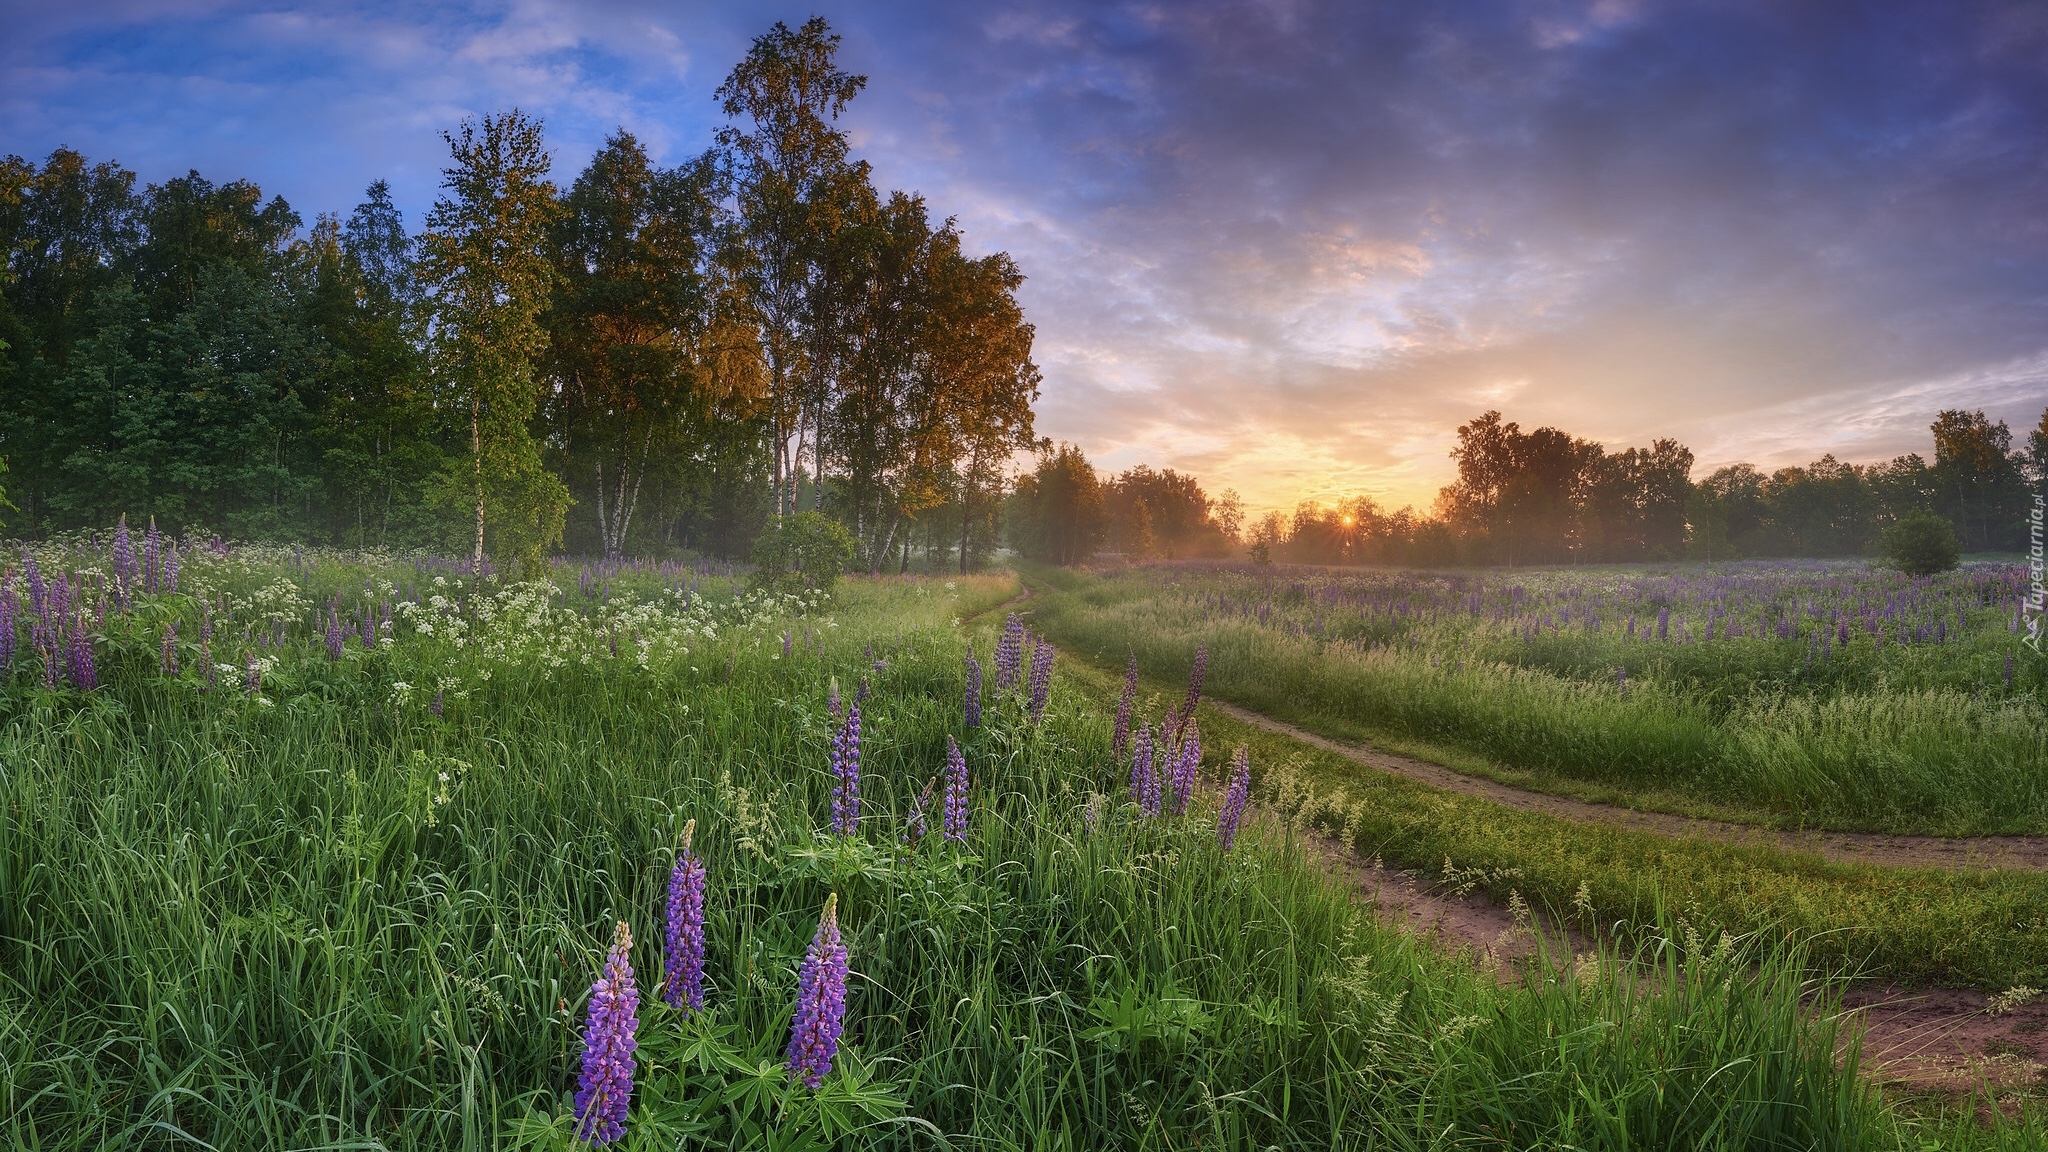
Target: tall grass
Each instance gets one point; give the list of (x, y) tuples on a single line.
[(328, 917), (1854, 752)]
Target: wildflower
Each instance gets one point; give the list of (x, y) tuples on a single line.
[(820, 1002), (169, 583), (914, 829), (10, 604), (1010, 653), (1235, 798), (334, 636), (605, 1089), (973, 690), (1195, 674), (956, 792), (124, 561), (168, 661), (1186, 767), (80, 659), (152, 557), (683, 957), (1663, 623), (846, 771), (1041, 679), (1144, 781)]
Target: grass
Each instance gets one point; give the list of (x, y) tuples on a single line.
[(1926, 737), (326, 914)]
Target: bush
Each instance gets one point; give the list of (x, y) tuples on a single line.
[(1920, 544), (807, 550)]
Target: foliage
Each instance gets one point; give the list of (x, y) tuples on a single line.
[(358, 910), (1920, 544), (802, 550), (1056, 512)]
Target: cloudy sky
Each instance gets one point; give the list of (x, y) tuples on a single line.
[(1286, 246)]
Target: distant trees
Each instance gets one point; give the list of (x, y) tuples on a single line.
[(1057, 512)]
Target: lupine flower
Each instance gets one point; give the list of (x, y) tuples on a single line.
[(820, 1002), (10, 606), (846, 773), (1010, 652), (83, 675), (152, 557), (956, 792), (973, 690), (1144, 780), (1234, 798), (1663, 623), (604, 1092), (1195, 674), (683, 954), (124, 561), (168, 661), (335, 639), (1121, 736), (1041, 679), (1187, 767), (170, 580)]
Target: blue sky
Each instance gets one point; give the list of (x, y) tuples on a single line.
[(1286, 246)]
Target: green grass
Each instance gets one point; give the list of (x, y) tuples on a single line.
[(1921, 738), (327, 917)]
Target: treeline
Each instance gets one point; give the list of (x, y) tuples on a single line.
[(1547, 497), (648, 359)]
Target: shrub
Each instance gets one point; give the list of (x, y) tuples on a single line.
[(807, 550), (1920, 544)]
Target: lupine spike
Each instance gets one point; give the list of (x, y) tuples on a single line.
[(956, 793), (604, 1090), (1235, 797), (846, 774), (1010, 652), (1147, 774), (973, 690), (914, 828), (683, 956), (820, 1002), (1187, 767), (1195, 675), (1041, 679)]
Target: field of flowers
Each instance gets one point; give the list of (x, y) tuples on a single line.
[(1825, 694), (319, 850)]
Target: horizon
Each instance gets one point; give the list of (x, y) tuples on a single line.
[(1290, 255)]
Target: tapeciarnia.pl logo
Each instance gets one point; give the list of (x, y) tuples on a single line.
[(2037, 568)]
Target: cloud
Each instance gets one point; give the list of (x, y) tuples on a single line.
[(1285, 245)]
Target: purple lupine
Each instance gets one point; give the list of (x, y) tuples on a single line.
[(168, 661), (683, 953), (369, 627), (124, 561), (37, 590), (1195, 674), (1010, 653), (820, 1002), (973, 690), (1234, 798), (10, 607), (846, 773), (604, 1091), (170, 580), (79, 657), (152, 556), (1041, 679), (1187, 767), (335, 639), (1663, 623), (956, 793), (1120, 737)]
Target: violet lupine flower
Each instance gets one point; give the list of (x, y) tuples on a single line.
[(124, 561), (1234, 798), (1187, 767), (604, 1092), (152, 556), (1144, 780), (1010, 653), (683, 954), (170, 579), (10, 607), (37, 590), (820, 1002), (956, 793), (1041, 679), (1120, 738), (973, 690), (168, 660), (335, 639), (1663, 623), (79, 657), (846, 773), (1195, 674)]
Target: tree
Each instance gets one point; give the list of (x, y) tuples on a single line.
[(1977, 478), (2037, 454), (1058, 512), (1921, 544), (484, 255), (632, 314), (792, 180)]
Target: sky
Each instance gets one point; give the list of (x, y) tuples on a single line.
[(1287, 247)]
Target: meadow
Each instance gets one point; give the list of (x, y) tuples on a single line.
[(1801, 694), (307, 849)]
